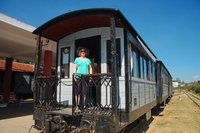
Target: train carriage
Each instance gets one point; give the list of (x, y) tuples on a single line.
[(164, 83), (122, 88)]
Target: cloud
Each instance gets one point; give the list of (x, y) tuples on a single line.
[(195, 76)]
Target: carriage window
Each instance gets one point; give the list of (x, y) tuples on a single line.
[(65, 57), (153, 72), (138, 62), (109, 66), (161, 73), (141, 68), (148, 70), (166, 79), (163, 76), (135, 64), (145, 68)]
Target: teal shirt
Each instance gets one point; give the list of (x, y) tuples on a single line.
[(82, 65)]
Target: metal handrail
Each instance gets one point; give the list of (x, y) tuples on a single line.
[(95, 82)]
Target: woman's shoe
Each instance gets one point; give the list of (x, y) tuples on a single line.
[(77, 109)]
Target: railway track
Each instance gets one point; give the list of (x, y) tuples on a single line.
[(194, 98)]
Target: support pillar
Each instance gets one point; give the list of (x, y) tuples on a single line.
[(7, 80), (48, 57), (115, 76)]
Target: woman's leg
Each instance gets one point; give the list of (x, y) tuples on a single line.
[(85, 91), (78, 92), (84, 98), (78, 99)]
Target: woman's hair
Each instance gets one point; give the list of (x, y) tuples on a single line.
[(79, 51)]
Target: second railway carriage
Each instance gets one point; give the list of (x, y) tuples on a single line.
[(122, 87), (164, 83)]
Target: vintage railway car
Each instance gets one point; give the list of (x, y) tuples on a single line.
[(123, 86), (164, 83)]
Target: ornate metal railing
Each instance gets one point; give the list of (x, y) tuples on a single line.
[(45, 88), (95, 93), (44, 98)]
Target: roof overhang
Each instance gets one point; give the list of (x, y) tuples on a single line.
[(71, 22)]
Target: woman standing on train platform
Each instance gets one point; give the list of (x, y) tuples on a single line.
[(82, 65)]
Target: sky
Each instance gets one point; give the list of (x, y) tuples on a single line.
[(170, 28)]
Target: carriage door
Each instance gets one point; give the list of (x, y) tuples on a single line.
[(93, 44)]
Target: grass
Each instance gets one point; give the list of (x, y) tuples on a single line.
[(193, 87), (179, 116)]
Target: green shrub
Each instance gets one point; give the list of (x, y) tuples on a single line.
[(195, 88)]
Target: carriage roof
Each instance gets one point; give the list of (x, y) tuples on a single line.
[(158, 61), (71, 22)]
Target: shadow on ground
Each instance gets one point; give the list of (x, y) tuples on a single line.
[(14, 110), (141, 125)]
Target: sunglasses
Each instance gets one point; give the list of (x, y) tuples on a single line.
[(82, 51)]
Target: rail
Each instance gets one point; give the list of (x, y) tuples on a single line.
[(44, 98), (95, 93), (45, 88), (192, 97)]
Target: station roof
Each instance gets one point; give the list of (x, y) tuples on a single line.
[(17, 40), (71, 22)]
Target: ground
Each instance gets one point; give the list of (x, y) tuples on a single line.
[(180, 115), (17, 125), (17, 119)]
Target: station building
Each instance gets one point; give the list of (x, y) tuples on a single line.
[(18, 43)]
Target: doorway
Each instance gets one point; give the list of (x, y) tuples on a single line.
[(93, 44)]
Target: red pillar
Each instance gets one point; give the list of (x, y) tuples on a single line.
[(47, 62), (7, 79)]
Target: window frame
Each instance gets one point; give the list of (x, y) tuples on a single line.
[(61, 62), (135, 62)]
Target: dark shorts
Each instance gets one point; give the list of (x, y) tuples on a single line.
[(80, 87)]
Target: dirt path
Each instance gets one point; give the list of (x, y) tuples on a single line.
[(180, 115), (17, 125), (14, 119)]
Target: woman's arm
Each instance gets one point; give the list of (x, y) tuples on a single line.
[(90, 69), (74, 69)]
